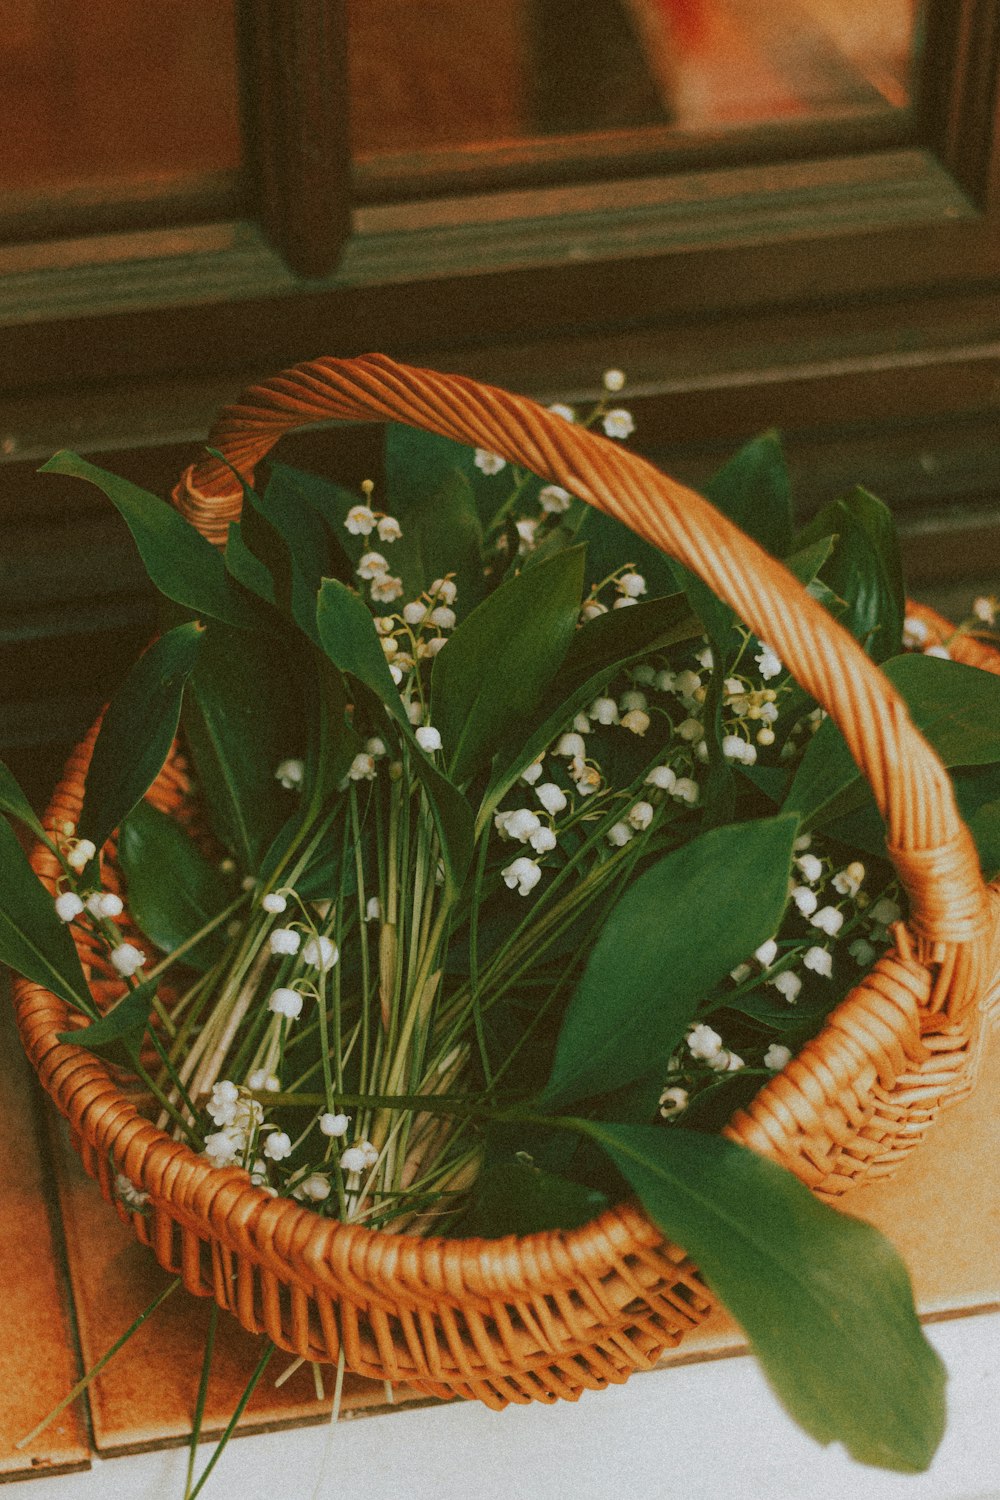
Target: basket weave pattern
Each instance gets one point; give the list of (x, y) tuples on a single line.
[(551, 1314)]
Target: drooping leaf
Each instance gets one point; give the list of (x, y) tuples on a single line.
[(823, 1298), (348, 636), (180, 562), (501, 659), (242, 717), (864, 569), (33, 940), (516, 1197), (118, 1035), (138, 730), (173, 890), (957, 708), (14, 802), (673, 935)]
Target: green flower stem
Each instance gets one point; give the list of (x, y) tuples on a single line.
[(199, 1407), (176, 954), (522, 479), (231, 1424)]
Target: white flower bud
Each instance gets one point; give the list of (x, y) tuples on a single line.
[(373, 909), (787, 984), (768, 662), (766, 953), (624, 601), (592, 609), (663, 777), (359, 520), (552, 797), (685, 790), (353, 1159), (445, 589), (805, 899), (389, 529), (284, 940), (531, 773), (641, 815), (619, 834), (777, 1056), (703, 1042), (915, 633), (370, 565), (362, 767), (290, 773), (321, 953), (819, 960), (104, 904), (521, 823), (524, 873), (443, 617), (334, 1126), (385, 588), (127, 959), (618, 423), (559, 409), (828, 920), (315, 1187), (489, 463), (604, 710), (673, 1101), (613, 380), (415, 613), (692, 729), (273, 903), (287, 1003), (428, 738), (635, 721), (543, 840), (570, 745), (81, 854), (68, 906), (631, 585), (811, 867), (554, 500), (277, 1146)]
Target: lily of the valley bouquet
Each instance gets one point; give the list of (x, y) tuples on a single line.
[(515, 865)]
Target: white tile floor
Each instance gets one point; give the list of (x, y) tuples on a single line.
[(708, 1431)]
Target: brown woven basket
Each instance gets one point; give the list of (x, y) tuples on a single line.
[(551, 1314)]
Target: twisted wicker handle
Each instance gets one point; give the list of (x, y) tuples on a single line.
[(930, 846)]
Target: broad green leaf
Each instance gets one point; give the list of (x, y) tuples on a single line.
[(33, 941), (246, 567), (824, 1299), (242, 717), (418, 462), (674, 934), (752, 489), (118, 1035), (611, 544), (500, 661), (330, 502), (957, 708), (173, 890), (14, 802), (442, 534), (180, 562), (864, 569), (597, 651), (516, 1197), (288, 537), (138, 730), (348, 636)]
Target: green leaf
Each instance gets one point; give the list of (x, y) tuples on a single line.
[(442, 534), (33, 941), (173, 890), (597, 651), (138, 730), (516, 1197), (14, 802), (418, 462), (957, 708), (823, 1298), (864, 569), (752, 489), (348, 636), (242, 717), (611, 544), (118, 1035), (674, 934), (180, 562), (496, 667)]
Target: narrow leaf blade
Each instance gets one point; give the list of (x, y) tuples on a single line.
[(33, 941)]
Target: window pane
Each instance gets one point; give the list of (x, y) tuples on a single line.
[(459, 75), (115, 91)]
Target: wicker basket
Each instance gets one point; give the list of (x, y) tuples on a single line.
[(551, 1314)]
